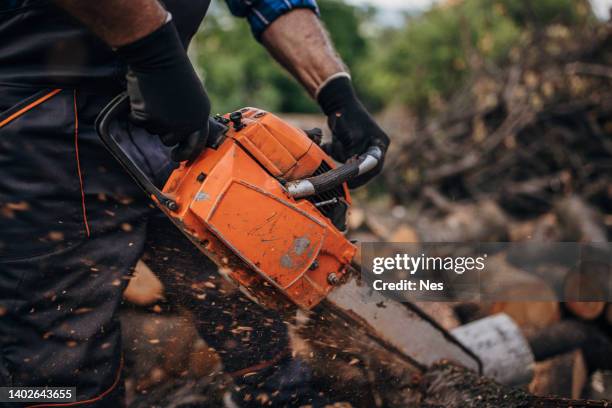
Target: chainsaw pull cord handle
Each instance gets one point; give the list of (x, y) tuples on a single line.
[(336, 177), (117, 107)]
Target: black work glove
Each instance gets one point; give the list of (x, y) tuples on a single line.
[(353, 128), (166, 96)]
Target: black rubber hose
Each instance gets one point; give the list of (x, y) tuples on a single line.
[(333, 178)]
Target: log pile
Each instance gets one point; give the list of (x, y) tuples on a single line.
[(521, 136), (565, 372), (523, 153)]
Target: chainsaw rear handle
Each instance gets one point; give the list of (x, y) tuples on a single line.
[(118, 107), (336, 177)]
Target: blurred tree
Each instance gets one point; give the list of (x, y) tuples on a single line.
[(422, 63), (543, 12)]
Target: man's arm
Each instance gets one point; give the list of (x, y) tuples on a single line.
[(298, 41), (166, 96), (117, 22)]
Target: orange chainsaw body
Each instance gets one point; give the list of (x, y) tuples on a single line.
[(232, 204)]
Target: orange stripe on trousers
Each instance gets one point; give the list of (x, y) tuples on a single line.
[(29, 107)]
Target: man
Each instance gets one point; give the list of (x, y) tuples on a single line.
[(74, 224)]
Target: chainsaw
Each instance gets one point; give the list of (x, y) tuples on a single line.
[(266, 204)]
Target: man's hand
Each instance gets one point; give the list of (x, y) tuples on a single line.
[(354, 130), (312, 60), (166, 96)]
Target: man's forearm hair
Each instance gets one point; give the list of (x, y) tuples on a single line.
[(300, 43)]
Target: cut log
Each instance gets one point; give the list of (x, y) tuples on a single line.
[(442, 312), (527, 299), (529, 316), (505, 354), (542, 235), (405, 233), (580, 221), (571, 334), (586, 310), (144, 288), (580, 375), (553, 274), (481, 222), (161, 347), (564, 375), (379, 224), (545, 228), (356, 218), (508, 357), (586, 290)]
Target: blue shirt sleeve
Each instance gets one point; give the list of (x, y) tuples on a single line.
[(261, 13)]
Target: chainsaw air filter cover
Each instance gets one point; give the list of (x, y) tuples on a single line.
[(232, 202)]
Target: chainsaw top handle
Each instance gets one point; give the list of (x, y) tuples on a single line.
[(336, 177), (119, 107)]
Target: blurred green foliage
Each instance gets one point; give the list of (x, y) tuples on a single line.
[(238, 71), (417, 64), (428, 59)]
